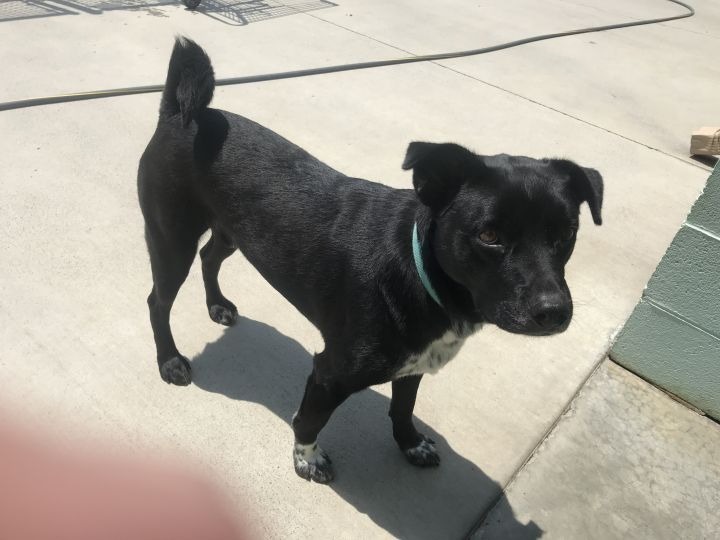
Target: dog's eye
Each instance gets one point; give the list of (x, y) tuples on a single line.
[(489, 237), (564, 238)]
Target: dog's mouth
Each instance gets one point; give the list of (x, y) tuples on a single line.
[(534, 330), (526, 324)]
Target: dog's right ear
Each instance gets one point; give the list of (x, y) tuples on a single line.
[(439, 170)]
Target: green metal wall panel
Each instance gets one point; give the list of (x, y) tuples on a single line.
[(687, 281), (672, 354), (706, 212), (673, 336)]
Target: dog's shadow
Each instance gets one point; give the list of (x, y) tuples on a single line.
[(254, 362)]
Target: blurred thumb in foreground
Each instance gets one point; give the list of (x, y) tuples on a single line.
[(50, 494)]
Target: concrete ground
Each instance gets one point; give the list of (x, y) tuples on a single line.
[(76, 343), (624, 461)]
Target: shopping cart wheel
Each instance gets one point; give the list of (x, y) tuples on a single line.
[(191, 4)]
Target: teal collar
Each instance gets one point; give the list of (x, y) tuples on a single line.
[(424, 278)]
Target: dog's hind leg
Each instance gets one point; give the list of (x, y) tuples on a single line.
[(217, 249), (171, 255)]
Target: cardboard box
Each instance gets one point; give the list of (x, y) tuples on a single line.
[(705, 141)]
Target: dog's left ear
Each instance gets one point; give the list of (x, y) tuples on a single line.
[(587, 184), (439, 170)]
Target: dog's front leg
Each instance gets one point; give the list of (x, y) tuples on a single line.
[(418, 449), (318, 404)]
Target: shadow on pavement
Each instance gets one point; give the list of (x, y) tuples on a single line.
[(240, 13), (254, 362), (237, 13)]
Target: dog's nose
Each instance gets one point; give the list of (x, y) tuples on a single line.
[(551, 312)]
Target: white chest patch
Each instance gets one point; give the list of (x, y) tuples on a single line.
[(435, 356)]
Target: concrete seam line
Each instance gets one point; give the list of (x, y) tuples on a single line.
[(478, 523), (576, 118), (502, 89), (116, 92), (357, 33)]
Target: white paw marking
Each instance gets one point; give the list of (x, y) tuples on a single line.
[(312, 463), (423, 454), (222, 315)]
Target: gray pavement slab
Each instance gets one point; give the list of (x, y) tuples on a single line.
[(76, 343), (625, 461), (653, 84)]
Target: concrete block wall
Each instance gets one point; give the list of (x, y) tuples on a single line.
[(673, 336)]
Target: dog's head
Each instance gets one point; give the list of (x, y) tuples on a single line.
[(505, 226)]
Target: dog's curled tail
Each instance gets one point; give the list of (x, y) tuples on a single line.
[(190, 82)]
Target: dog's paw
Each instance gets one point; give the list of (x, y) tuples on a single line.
[(424, 454), (176, 371), (223, 314), (312, 463)]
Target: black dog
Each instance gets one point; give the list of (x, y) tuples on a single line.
[(395, 280)]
